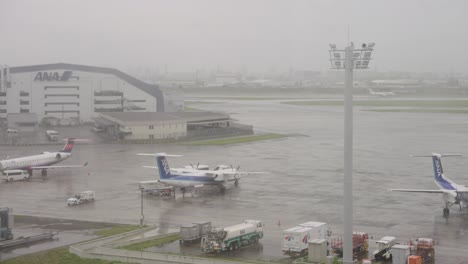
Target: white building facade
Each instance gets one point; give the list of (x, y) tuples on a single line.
[(70, 91)]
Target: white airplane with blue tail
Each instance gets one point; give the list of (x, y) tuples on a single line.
[(193, 178), (452, 193)]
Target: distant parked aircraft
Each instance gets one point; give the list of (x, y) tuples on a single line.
[(371, 92), (42, 161), (189, 178)]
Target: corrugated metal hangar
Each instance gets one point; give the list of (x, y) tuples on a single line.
[(64, 91)]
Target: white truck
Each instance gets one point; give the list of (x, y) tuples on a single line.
[(231, 238), (52, 135), (384, 248), (84, 197), (15, 175), (296, 239)]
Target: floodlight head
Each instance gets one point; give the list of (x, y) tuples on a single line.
[(332, 46), (364, 45), (370, 45)]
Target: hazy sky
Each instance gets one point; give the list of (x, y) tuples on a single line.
[(410, 35)]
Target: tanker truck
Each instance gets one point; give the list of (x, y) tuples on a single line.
[(232, 238)]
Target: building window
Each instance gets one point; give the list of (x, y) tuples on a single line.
[(22, 110), (151, 126), (151, 136), (23, 102), (2, 102), (2, 111), (24, 93), (2, 93)]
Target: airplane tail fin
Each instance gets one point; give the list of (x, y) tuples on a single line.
[(69, 145), (163, 167), (439, 178), (161, 161)]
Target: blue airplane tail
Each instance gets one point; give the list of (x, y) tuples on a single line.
[(163, 167), (439, 173)]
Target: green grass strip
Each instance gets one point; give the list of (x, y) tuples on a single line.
[(419, 110), (152, 243), (387, 103), (117, 230), (56, 256), (235, 140)]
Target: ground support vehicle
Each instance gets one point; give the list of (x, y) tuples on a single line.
[(52, 135), (296, 239), (231, 238), (15, 175), (360, 244), (424, 247), (6, 223), (320, 230), (193, 232), (84, 197), (384, 248)]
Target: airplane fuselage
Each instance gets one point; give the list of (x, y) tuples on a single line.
[(184, 181), (25, 163)]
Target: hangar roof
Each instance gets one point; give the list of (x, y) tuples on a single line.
[(145, 118), (148, 88)]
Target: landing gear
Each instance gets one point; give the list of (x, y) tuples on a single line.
[(236, 182), (30, 172), (183, 192), (44, 172), (446, 210)]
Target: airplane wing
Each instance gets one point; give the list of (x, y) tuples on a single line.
[(150, 167), (148, 182), (59, 167), (229, 172), (418, 190)]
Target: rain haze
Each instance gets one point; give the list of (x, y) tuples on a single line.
[(418, 36), (153, 123)]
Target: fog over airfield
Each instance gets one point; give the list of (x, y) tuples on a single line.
[(252, 35)]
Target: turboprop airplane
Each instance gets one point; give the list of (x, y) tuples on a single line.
[(42, 161), (371, 92), (190, 178), (452, 193)]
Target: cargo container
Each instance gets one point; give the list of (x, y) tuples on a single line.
[(414, 260), (231, 238), (190, 233), (295, 240), (360, 244), (195, 231), (425, 248), (205, 227), (400, 254), (320, 230)]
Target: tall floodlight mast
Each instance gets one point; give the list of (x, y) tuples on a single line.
[(348, 59)]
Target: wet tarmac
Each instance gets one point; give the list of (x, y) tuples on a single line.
[(304, 181)]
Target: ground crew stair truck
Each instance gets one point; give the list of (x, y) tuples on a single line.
[(231, 238)]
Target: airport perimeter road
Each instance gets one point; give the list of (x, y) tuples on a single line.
[(303, 184)]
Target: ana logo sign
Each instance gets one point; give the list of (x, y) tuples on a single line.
[(55, 76), (438, 167), (166, 166)]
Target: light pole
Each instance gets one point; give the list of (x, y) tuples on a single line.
[(349, 59), (142, 219)]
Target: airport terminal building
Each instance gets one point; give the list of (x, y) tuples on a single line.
[(70, 91)]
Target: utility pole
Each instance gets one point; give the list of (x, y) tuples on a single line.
[(142, 219), (349, 59)]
